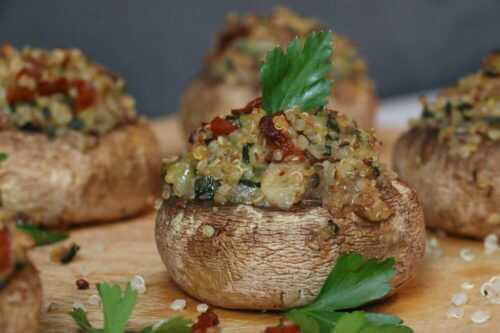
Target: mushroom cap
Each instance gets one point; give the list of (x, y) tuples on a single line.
[(459, 195), (246, 257)]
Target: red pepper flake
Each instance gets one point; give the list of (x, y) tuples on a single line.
[(256, 103), (5, 251), (82, 284), (205, 321), (283, 329), (220, 126), (277, 139), (20, 94), (47, 88), (86, 94)]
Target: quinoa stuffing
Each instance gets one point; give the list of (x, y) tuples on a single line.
[(468, 113), (60, 92), (243, 44), (278, 160)]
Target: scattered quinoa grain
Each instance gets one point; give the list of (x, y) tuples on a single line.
[(78, 305), (178, 305), (201, 308), (139, 284), (467, 285), (459, 299), (467, 255), (490, 243), (455, 312), (480, 316), (94, 300)]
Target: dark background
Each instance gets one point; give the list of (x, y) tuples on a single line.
[(159, 45)]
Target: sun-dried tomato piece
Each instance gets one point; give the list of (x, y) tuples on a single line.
[(205, 321), (249, 107), (20, 94), (33, 72), (47, 88), (220, 126), (86, 96), (277, 139), (5, 251), (283, 329)]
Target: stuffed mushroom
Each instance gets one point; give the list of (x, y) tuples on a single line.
[(230, 76), (20, 286), (78, 152), (256, 213), (451, 155)]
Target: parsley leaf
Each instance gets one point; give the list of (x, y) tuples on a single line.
[(3, 157), (173, 325), (357, 322), (352, 283), (80, 318), (117, 308), (41, 236), (297, 77)]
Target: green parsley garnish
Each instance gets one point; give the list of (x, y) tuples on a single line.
[(3, 157), (353, 282), (40, 235), (298, 78), (117, 309)]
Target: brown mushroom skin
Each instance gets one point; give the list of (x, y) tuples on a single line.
[(245, 257), (448, 186), (204, 99), (21, 302), (55, 183)]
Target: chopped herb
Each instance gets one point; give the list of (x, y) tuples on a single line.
[(70, 254), (3, 157), (41, 236), (332, 124), (205, 187), (297, 78), (245, 153), (426, 113), (173, 325), (249, 183), (464, 106), (492, 120), (75, 124), (328, 150), (352, 283), (448, 108)]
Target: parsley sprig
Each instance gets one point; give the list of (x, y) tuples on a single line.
[(3, 156), (41, 236), (298, 78), (353, 282), (117, 309)]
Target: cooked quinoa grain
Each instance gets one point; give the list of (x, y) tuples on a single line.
[(60, 92), (467, 113), (279, 160), (243, 44)]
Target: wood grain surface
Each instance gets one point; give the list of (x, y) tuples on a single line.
[(118, 251)]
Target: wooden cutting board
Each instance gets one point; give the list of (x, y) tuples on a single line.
[(116, 252)]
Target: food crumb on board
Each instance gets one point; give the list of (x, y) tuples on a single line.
[(455, 312), (201, 308), (459, 299), (480, 317), (178, 304), (82, 284), (467, 285), (94, 300), (467, 255), (490, 244), (139, 284)]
